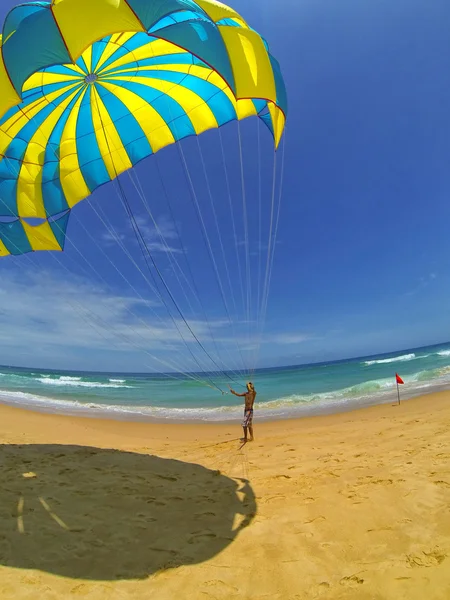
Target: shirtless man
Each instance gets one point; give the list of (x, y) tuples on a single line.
[(247, 423)]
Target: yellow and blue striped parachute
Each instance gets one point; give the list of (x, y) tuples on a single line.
[(91, 87)]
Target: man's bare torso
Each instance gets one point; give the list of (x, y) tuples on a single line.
[(249, 400)]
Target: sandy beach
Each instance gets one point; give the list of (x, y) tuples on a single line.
[(349, 506)]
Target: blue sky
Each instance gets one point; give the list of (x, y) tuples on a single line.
[(363, 253)]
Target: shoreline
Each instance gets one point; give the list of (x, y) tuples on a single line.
[(135, 414), (106, 420)]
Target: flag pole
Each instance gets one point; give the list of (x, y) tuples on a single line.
[(398, 391)]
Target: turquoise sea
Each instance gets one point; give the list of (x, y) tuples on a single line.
[(282, 392)]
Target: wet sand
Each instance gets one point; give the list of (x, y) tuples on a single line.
[(350, 506)]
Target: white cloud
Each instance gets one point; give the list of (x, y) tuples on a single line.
[(288, 338), (58, 320), (159, 238), (46, 316), (423, 283)]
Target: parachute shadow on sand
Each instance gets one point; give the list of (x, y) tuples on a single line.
[(96, 514)]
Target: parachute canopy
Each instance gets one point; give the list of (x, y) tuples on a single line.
[(92, 87)]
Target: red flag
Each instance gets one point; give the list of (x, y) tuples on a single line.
[(398, 378)]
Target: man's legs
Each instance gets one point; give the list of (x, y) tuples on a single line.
[(244, 439), (251, 433)]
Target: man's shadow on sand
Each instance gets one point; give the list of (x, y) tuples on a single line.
[(96, 514)]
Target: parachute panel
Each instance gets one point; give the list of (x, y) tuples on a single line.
[(147, 75)]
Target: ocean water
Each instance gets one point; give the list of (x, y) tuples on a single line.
[(282, 392)]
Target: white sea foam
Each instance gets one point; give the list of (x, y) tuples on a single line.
[(67, 378), (75, 382), (117, 380), (383, 361), (444, 353)]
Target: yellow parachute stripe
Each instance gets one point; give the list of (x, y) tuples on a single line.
[(30, 202), (109, 142), (197, 70), (43, 78), (72, 180), (240, 22), (251, 65), (41, 237), (114, 44), (81, 22), (8, 97), (278, 122), (218, 11), (150, 50), (76, 68), (198, 111), (14, 124), (87, 57), (152, 124), (3, 250), (244, 108)]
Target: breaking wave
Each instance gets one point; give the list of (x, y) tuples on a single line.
[(383, 361), (76, 382)]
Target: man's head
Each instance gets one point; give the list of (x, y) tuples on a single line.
[(250, 387)]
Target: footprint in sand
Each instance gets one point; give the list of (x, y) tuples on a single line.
[(319, 518), (79, 589), (200, 536), (220, 587), (426, 559), (352, 581), (166, 477)]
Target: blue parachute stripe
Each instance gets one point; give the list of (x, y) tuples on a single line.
[(8, 114), (14, 237), (137, 41), (36, 95), (228, 23), (178, 17), (64, 69), (202, 39), (97, 50), (31, 126), (36, 44), (83, 65), (18, 109), (260, 105), (21, 13), (59, 228), (9, 168), (54, 198), (282, 100), (173, 114), (150, 13), (267, 119), (208, 92), (174, 59), (130, 132), (91, 163), (50, 88)]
